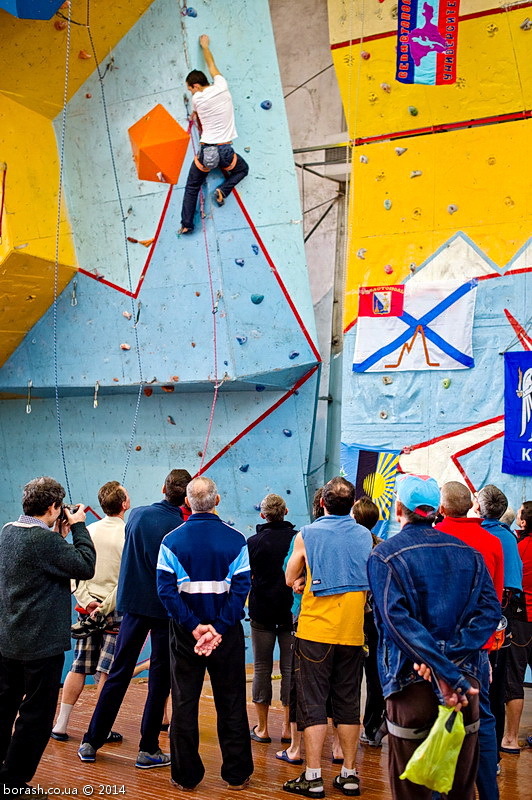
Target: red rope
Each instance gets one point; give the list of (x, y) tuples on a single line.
[(2, 200)]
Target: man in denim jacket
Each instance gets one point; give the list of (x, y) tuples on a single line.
[(435, 605)]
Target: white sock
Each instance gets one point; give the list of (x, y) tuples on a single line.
[(312, 774), (346, 773), (61, 724)]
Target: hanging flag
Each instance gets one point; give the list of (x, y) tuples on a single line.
[(372, 471), (517, 452), (432, 330), (426, 41)]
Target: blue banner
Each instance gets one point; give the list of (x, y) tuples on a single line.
[(517, 453)]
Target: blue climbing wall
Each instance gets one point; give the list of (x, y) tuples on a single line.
[(228, 306)]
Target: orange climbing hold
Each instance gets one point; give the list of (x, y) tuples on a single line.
[(159, 146)]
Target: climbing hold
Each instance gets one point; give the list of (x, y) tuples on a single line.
[(226, 363), (191, 12), (412, 267), (492, 160), (287, 432), (266, 105), (170, 419), (60, 24), (365, 55), (509, 202), (167, 388), (372, 97), (452, 208), (380, 177), (446, 382), (84, 55), (247, 149), (200, 453), (88, 95), (415, 173), (127, 314), (259, 387), (387, 380), (239, 262), (412, 110), (383, 414), (492, 30), (257, 299), (230, 522), (257, 506), (362, 253), (243, 467), (417, 213), (401, 150), (387, 204), (198, 294), (388, 269), (193, 344), (288, 491), (386, 88), (526, 25), (293, 354), (116, 380), (138, 448), (364, 159), (125, 346), (241, 339), (175, 378), (255, 249), (148, 391)]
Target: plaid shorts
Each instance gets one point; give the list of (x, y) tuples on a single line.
[(96, 653)]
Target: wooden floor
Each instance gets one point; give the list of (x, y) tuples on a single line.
[(60, 767)]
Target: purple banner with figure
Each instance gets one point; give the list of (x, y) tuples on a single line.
[(426, 41)]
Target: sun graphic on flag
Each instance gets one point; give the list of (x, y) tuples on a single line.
[(379, 484)]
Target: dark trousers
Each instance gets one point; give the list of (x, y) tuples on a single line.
[(226, 668), (375, 705), (29, 689), (498, 660), (487, 787), (134, 630), (417, 707), (196, 179)]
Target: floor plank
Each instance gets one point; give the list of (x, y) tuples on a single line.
[(60, 768)]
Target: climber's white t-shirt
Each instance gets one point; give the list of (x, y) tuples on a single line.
[(214, 107)]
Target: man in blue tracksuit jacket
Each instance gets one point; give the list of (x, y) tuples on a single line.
[(203, 579)]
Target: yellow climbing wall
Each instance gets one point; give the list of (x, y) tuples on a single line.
[(32, 85), (474, 179)]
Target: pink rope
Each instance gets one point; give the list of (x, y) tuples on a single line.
[(217, 384)]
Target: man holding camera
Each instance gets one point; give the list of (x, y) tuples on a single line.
[(36, 565)]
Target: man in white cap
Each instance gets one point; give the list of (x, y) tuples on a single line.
[(435, 607)]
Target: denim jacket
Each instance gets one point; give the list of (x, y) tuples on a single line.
[(434, 603)]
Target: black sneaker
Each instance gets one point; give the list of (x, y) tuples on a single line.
[(301, 785), (349, 785)]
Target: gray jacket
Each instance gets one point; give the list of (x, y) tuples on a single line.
[(36, 566)]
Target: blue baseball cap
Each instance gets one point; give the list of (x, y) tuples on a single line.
[(414, 491)]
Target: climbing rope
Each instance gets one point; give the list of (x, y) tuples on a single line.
[(56, 261), (214, 295), (123, 217)]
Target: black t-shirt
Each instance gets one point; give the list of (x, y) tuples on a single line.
[(270, 599)]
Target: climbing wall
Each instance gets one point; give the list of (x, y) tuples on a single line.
[(165, 351), (441, 182)]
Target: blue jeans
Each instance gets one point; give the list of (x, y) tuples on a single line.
[(196, 179), (130, 641), (487, 738)]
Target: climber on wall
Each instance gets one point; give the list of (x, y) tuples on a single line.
[(213, 112)]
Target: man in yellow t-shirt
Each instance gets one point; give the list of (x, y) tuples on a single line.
[(328, 654)]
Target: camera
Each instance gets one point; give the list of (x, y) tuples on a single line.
[(71, 509)]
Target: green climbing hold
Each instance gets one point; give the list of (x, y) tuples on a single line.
[(257, 299)]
